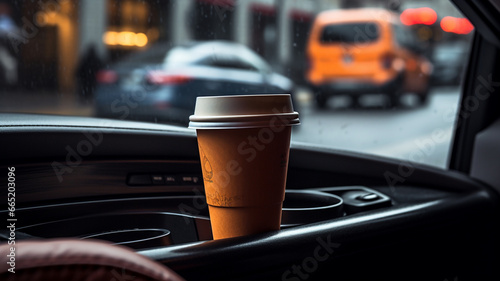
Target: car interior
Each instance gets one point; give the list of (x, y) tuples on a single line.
[(140, 185)]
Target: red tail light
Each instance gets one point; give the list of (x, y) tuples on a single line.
[(387, 60), (161, 78), (106, 76)]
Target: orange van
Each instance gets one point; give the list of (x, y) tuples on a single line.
[(365, 51)]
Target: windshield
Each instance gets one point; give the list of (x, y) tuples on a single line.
[(148, 60)]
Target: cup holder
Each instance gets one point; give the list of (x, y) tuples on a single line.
[(308, 206), (136, 238)]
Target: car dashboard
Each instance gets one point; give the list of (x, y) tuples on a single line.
[(140, 185)]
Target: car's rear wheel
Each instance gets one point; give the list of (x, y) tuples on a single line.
[(423, 97), (396, 91), (394, 98), (355, 102), (321, 99), (321, 102)]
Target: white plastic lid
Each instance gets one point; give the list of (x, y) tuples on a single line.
[(245, 111)]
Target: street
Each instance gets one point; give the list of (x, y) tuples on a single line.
[(411, 133)]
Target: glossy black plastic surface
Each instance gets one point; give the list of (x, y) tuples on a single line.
[(308, 206)]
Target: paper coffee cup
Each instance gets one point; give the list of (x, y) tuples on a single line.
[(244, 144)]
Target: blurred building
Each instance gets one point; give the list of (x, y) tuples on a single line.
[(55, 34), (273, 28)]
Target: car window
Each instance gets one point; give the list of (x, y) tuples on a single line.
[(350, 33), (182, 56), (221, 61), (90, 58)]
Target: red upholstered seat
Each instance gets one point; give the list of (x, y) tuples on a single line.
[(72, 259)]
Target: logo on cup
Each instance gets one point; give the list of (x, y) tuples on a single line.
[(208, 173)]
